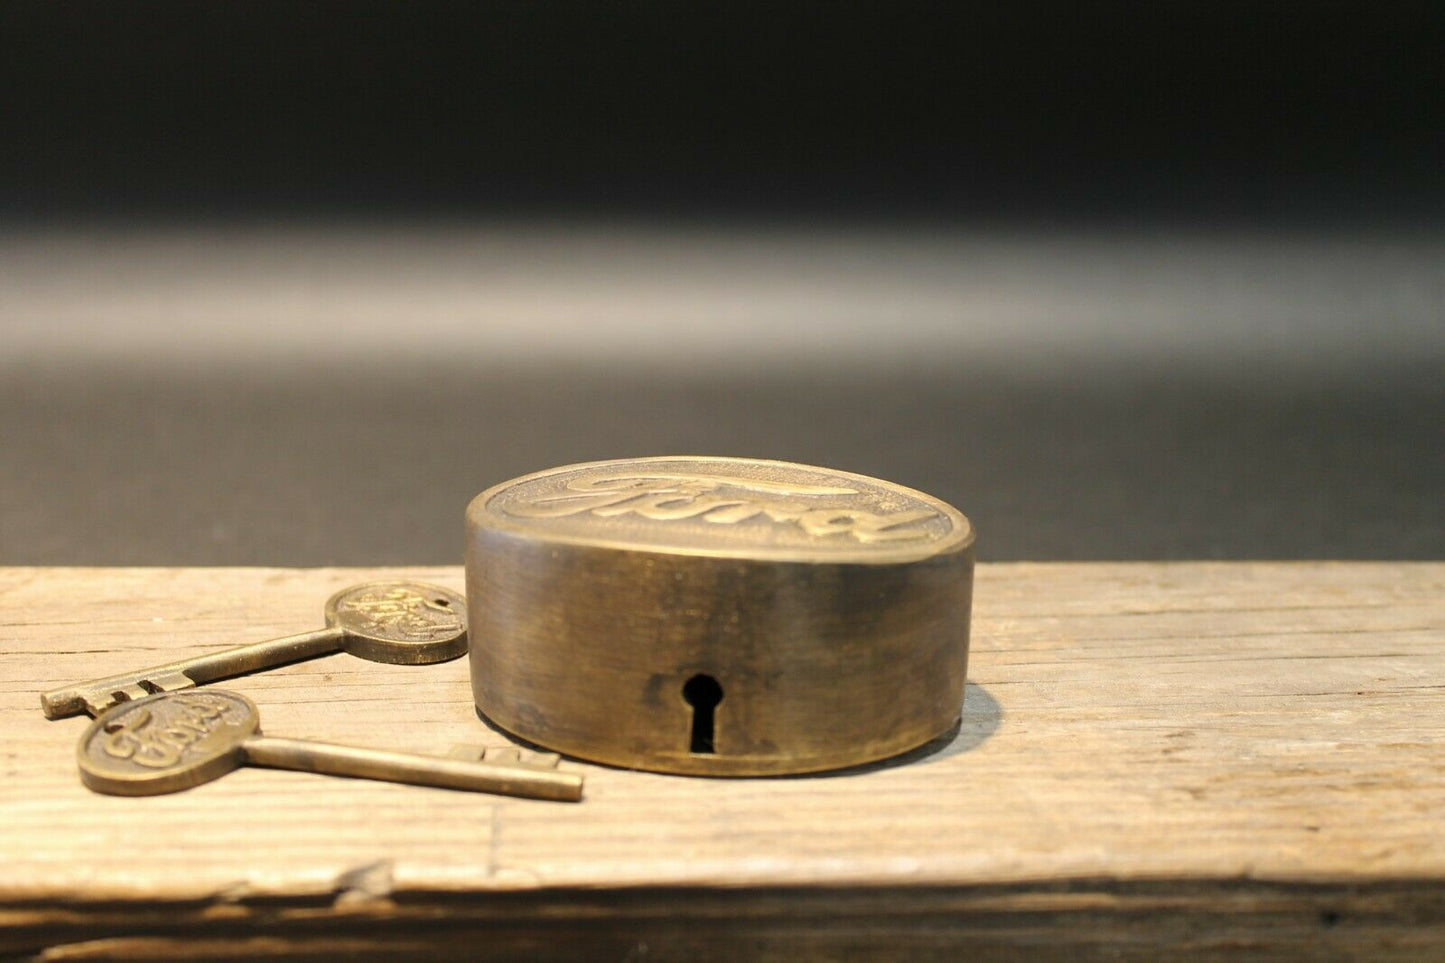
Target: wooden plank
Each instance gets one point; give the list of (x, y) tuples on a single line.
[(1192, 757)]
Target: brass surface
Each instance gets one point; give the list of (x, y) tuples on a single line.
[(174, 741), (718, 616), (401, 623)]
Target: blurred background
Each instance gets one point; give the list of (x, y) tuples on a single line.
[(287, 284)]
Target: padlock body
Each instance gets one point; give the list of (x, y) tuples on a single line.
[(718, 616)]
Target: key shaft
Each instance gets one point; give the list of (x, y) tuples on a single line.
[(323, 757), (96, 696)]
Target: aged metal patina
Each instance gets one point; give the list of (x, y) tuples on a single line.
[(177, 740), (400, 623), (718, 616)]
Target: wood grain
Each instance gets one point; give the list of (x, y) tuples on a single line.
[(1192, 758)]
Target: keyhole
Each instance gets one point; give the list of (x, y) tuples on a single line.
[(703, 693)]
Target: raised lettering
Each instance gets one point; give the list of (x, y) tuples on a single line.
[(669, 497)]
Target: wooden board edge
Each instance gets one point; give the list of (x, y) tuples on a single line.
[(1077, 918)]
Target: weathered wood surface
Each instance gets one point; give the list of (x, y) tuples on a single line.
[(1203, 758)]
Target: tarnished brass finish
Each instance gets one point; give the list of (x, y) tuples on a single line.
[(718, 616), (177, 740), (401, 623)]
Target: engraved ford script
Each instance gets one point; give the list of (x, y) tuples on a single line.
[(157, 736), (168, 731), (716, 503), (398, 611)]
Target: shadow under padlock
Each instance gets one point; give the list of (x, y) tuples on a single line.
[(718, 616)]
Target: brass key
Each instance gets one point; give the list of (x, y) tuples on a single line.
[(401, 623), (177, 740)]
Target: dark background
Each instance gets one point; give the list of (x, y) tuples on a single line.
[(1257, 187), (1048, 111)]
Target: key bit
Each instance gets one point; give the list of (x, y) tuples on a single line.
[(401, 623), (505, 756), (178, 740)]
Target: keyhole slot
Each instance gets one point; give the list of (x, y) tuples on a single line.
[(703, 693)]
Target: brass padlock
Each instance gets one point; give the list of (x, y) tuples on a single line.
[(718, 616)]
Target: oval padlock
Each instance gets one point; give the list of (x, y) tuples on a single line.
[(718, 616)]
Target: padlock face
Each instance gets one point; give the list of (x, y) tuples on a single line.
[(718, 616)]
